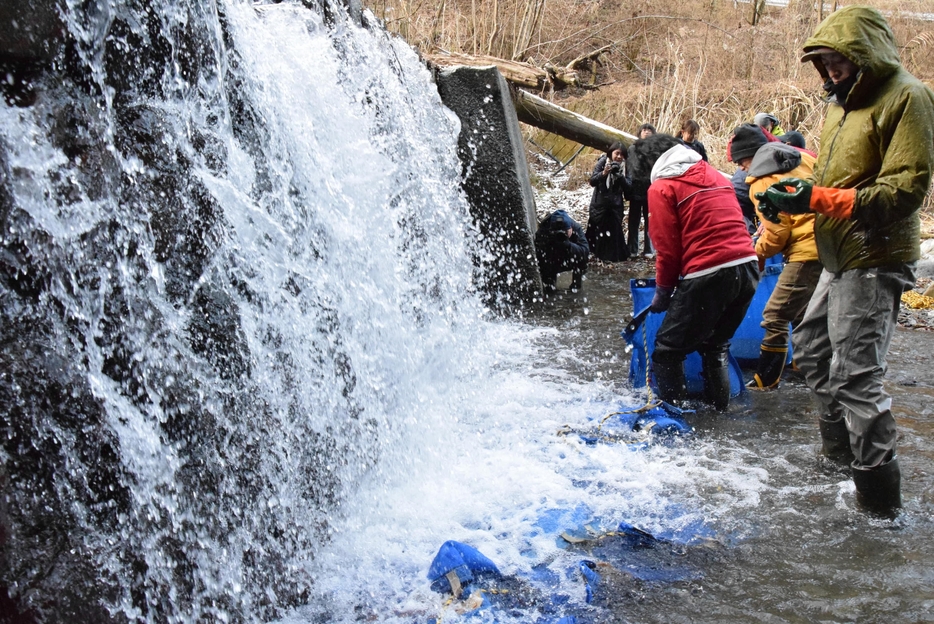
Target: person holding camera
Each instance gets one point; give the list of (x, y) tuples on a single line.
[(605, 222), (560, 245)]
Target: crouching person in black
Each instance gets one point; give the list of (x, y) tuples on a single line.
[(560, 245)]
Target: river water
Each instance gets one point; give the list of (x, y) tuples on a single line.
[(797, 551), (760, 527)]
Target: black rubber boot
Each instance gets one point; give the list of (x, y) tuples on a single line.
[(577, 281), (835, 440), (549, 284), (769, 369), (669, 380), (879, 490), (716, 379)]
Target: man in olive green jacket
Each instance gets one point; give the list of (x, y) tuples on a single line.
[(873, 171)]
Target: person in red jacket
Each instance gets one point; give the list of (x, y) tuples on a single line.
[(706, 271)]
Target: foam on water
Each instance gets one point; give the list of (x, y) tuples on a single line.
[(491, 468)]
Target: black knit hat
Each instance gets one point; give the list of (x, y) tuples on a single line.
[(747, 139), (793, 138)]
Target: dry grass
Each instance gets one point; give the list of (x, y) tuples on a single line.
[(666, 60)]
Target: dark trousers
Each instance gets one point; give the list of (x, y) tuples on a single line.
[(554, 261), (705, 312), (638, 211), (841, 345), (606, 238)]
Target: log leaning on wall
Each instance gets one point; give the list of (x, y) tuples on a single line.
[(541, 113), (536, 111)]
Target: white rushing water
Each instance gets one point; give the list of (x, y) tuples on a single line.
[(342, 243)]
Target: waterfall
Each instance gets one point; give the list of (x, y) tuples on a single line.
[(245, 371), (236, 267)]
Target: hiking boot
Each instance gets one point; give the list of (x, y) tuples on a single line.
[(769, 368)]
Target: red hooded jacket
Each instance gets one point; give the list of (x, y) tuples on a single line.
[(695, 222)]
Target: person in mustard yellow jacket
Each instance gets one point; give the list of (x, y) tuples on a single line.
[(793, 237)]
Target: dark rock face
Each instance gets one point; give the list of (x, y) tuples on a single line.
[(179, 423), (496, 181), (121, 336), (31, 35)]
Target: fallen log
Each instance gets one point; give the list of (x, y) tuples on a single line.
[(536, 111), (541, 113), (550, 78)]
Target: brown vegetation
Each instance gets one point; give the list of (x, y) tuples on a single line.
[(661, 61)]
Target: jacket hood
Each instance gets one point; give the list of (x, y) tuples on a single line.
[(774, 158), (862, 35), (674, 162)]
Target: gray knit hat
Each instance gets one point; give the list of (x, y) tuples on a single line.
[(774, 158), (762, 118)]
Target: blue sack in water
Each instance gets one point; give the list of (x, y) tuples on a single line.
[(663, 420), (488, 591), (465, 561)]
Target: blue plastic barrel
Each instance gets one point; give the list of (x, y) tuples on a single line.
[(744, 345), (644, 344)]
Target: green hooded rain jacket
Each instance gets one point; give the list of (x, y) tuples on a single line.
[(880, 141)]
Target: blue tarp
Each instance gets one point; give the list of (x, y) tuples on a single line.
[(544, 595), (637, 427)]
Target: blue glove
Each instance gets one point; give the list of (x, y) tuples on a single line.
[(662, 299), (777, 198)]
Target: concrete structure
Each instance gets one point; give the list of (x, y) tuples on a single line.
[(496, 181)]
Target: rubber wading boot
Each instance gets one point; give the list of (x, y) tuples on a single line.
[(716, 367), (879, 490), (669, 380), (769, 369), (835, 440)]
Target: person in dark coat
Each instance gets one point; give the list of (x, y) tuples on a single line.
[(560, 245), (688, 135), (639, 208), (605, 223)]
